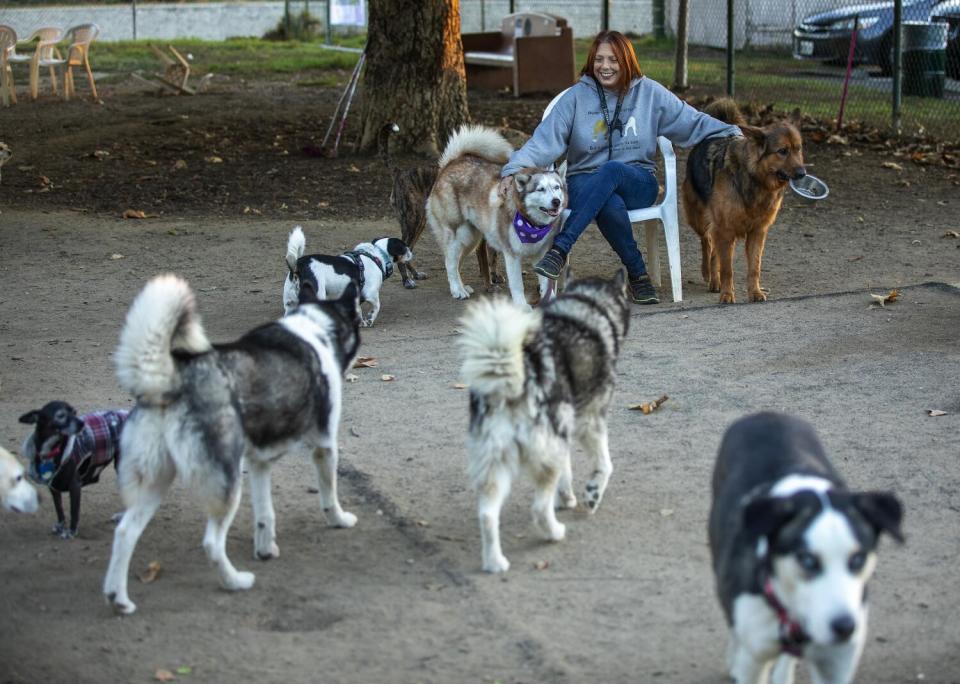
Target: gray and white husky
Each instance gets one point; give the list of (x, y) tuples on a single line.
[(465, 207), (201, 407), (538, 380)]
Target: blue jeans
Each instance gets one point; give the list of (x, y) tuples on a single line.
[(606, 195)]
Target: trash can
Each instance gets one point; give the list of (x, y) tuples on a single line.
[(924, 58)]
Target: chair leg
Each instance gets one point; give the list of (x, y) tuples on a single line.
[(53, 81), (653, 252), (67, 83), (93, 86), (12, 85), (34, 79), (671, 231), (4, 87)]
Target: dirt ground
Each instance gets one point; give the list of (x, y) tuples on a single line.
[(400, 598)]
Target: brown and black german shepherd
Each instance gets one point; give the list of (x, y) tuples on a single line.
[(733, 190)]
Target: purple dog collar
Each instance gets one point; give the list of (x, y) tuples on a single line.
[(527, 232)]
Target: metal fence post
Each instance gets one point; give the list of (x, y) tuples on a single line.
[(605, 18), (134, 12), (895, 119), (730, 44), (659, 31)]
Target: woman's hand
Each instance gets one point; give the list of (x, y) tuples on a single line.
[(504, 186)]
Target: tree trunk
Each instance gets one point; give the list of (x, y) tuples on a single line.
[(680, 64), (414, 75)]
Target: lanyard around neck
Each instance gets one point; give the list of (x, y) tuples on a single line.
[(612, 125)]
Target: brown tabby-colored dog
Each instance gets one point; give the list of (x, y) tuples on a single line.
[(733, 190)]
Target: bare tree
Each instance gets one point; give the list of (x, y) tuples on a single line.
[(414, 74), (680, 82)]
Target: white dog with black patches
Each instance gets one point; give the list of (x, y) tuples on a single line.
[(16, 494), (793, 550), (367, 266)]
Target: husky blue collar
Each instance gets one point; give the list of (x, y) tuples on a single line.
[(527, 232)]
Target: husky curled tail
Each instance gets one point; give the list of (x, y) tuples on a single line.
[(296, 245), (494, 332), (162, 318), (480, 141)]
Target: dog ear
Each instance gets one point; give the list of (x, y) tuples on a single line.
[(620, 279), (882, 510), (764, 516), (757, 135), (30, 417), (520, 181), (562, 171), (796, 118), (307, 293)]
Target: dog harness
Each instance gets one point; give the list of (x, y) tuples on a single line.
[(792, 636), (527, 232), (92, 449), (383, 262)]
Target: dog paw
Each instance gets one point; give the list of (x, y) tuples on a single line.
[(409, 284), (268, 552), (366, 323), (468, 289), (758, 296), (497, 279), (420, 275), (592, 496), (565, 501), (116, 518), (241, 581), (344, 519), (727, 298), (496, 564), (121, 606)]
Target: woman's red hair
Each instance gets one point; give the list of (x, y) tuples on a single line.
[(626, 58)]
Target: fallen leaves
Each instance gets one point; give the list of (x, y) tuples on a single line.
[(134, 214), (892, 165), (151, 573), (649, 407), (951, 234), (541, 565), (164, 676), (386, 377), (365, 362), (460, 386), (213, 159), (884, 299), (936, 412)]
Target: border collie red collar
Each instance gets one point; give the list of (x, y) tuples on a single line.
[(326, 277), (783, 519)]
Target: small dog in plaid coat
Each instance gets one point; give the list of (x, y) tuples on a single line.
[(66, 453)]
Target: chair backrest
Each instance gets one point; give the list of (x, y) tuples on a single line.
[(83, 34), (47, 38), (553, 103), (8, 39)]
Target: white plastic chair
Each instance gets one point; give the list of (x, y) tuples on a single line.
[(46, 55), (78, 54), (665, 212), (8, 45)]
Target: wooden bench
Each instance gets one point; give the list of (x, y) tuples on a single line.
[(532, 52)]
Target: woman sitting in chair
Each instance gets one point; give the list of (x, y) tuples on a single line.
[(607, 125)]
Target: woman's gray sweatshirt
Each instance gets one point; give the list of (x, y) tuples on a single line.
[(576, 126)]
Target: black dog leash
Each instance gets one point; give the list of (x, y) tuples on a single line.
[(616, 124)]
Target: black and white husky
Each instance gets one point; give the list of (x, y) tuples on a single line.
[(792, 550), (366, 266), (201, 407), (539, 380)]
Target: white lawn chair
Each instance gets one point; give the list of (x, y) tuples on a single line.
[(8, 46), (78, 54), (665, 212), (46, 55)]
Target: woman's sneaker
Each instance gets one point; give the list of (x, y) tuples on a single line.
[(551, 264), (642, 292)]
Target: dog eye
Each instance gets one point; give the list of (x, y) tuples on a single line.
[(857, 561), (809, 562), (782, 151)]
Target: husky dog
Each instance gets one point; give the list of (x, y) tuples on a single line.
[(202, 407), (16, 494), (366, 266), (539, 379), (465, 207), (792, 551)]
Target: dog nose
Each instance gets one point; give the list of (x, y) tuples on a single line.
[(842, 627), (556, 202), (799, 173)]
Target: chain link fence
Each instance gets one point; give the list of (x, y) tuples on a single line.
[(833, 59)]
